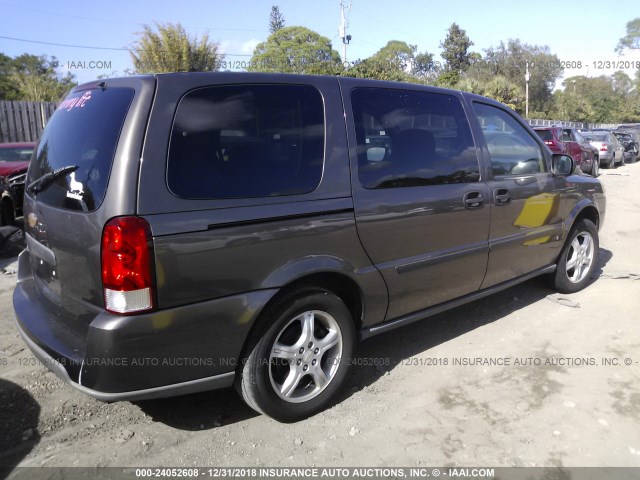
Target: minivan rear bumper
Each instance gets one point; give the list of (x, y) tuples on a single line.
[(158, 354), (211, 383)]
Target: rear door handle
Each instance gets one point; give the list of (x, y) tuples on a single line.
[(501, 196), (473, 200)]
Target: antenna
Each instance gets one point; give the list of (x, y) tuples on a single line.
[(342, 30)]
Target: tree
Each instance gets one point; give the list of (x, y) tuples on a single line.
[(8, 89), (593, 100), (396, 61), (499, 88), (35, 78), (296, 50), (424, 67), (510, 60), (170, 49), (632, 39), (622, 84), (455, 51), (276, 20)]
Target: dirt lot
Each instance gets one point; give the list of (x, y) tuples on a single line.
[(560, 407)]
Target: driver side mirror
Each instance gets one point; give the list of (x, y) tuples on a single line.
[(562, 165)]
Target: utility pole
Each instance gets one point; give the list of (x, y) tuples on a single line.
[(342, 31), (527, 77)]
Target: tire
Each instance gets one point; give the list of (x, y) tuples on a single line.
[(570, 279), (315, 333), (595, 167)]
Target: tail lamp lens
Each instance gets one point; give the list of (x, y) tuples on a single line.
[(126, 265)]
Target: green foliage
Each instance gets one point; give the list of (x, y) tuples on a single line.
[(423, 67), (448, 78), (33, 78), (296, 50), (510, 61), (632, 39), (396, 61), (499, 88), (276, 20), (8, 89), (171, 49), (455, 50), (598, 100)]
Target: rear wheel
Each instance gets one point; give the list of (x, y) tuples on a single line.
[(295, 363), (595, 167), (578, 258)]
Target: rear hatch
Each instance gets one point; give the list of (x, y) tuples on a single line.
[(599, 141), (84, 171)]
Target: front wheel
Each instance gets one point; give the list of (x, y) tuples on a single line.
[(296, 362), (595, 167), (578, 258)]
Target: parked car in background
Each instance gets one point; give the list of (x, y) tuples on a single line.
[(632, 129), (610, 150), (629, 144), (14, 157), (14, 162), (569, 141)]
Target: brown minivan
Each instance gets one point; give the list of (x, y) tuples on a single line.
[(193, 231)]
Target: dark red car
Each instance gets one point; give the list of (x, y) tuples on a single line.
[(14, 162), (14, 157), (568, 141)]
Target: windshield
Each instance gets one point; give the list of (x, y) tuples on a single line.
[(83, 132)]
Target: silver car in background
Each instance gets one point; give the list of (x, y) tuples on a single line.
[(610, 149)]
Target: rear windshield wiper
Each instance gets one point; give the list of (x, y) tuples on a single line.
[(48, 178)]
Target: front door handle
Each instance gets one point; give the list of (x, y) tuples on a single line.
[(501, 196), (473, 200)]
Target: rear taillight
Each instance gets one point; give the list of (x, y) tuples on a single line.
[(603, 148), (126, 265), (548, 142)]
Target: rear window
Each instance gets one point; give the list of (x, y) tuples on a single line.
[(83, 132), (597, 137), (15, 154), (243, 141), (545, 135)]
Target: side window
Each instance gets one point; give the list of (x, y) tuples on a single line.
[(410, 138), (513, 151), (246, 141), (566, 136)]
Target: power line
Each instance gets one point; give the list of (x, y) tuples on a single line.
[(61, 44), (120, 49)]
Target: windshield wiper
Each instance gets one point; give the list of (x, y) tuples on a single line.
[(48, 178)]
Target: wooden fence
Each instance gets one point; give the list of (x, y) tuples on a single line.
[(23, 121)]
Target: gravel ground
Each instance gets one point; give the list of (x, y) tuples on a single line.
[(561, 405)]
